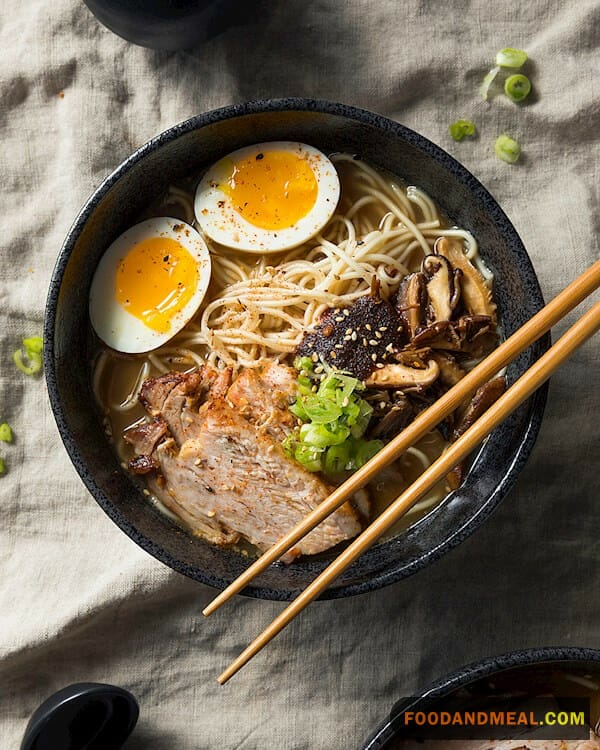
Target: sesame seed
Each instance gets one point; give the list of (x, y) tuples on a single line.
[(314, 387), (338, 319), (319, 369), (377, 334), (382, 404), (383, 328), (211, 513), (348, 331), (339, 346), (346, 312), (146, 492), (346, 338), (374, 357), (373, 342), (364, 341), (368, 327), (333, 355), (380, 365), (399, 329), (354, 336), (346, 401), (389, 348), (315, 357)]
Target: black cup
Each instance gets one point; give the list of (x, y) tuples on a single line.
[(165, 24)]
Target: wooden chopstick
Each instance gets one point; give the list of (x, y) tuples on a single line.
[(539, 324), (537, 374)]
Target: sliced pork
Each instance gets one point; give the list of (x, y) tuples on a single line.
[(219, 462)]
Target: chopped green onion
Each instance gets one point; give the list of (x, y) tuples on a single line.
[(304, 363), (309, 457), (321, 410), (365, 451), (5, 433), (337, 458), (487, 82), (359, 425), (320, 435), (511, 58), (348, 386), (289, 444), (507, 149), (352, 411), (517, 87), (298, 411), (334, 418), (2, 467), (461, 128), (35, 362), (33, 344), (304, 385)]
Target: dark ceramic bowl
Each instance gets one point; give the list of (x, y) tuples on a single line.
[(189, 148), (533, 672)]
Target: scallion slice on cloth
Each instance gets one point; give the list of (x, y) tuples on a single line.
[(461, 128), (509, 57), (32, 352), (6, 435), (507, 149), (488, 81), (517, 87), (33, 344), (2, 467)]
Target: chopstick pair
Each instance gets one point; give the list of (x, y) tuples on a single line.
[(537, 374)]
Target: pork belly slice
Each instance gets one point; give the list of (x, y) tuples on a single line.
[(145, 435), (222, 468), (263, 398), (241, 476), (176, 397), (181, 481)]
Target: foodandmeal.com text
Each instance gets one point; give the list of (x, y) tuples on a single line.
[(494, 718)]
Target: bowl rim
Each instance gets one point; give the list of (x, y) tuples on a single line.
[(379, 578), (490, 665)]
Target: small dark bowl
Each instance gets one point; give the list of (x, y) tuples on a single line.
[(536, 671), (164, 24), (189, 148)]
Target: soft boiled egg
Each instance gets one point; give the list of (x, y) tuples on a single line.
[(149, 284), (267, 197)]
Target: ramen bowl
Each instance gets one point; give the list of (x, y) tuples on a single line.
[(188, 149), (502, 682)]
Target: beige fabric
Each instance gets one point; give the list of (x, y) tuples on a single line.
[(78, 600)]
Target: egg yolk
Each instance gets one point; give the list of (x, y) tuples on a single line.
[(155, 281), (272, 190)]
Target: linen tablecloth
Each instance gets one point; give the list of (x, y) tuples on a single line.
[(79, 601)]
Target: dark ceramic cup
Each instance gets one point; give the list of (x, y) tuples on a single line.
[(188, 149)]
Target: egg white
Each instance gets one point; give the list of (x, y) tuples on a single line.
[(117, 327), (222, 222)]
